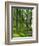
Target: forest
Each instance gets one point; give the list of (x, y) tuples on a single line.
[(21, 22)]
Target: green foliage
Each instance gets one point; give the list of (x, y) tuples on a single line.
[(22, 21)]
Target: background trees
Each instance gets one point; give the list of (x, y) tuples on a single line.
[(22, 21)]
